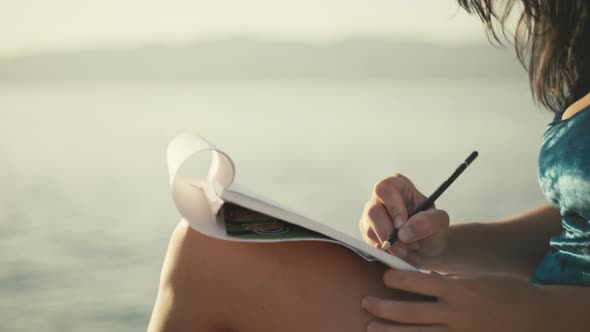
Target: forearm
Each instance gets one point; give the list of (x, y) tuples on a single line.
[(568, 308), (513, 246)]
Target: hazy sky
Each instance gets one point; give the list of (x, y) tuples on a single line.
[(30, 26)]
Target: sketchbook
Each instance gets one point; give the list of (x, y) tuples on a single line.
[(218, 207)]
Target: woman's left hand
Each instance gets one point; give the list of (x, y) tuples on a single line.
[(465, 304)]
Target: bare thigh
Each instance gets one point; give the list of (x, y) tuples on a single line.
[(213, 285)]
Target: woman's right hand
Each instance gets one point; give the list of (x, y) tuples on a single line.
[(422, 237)]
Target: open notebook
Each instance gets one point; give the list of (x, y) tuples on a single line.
[(220, 208)]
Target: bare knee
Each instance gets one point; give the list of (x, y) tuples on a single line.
[(186, 297), (213, 285)]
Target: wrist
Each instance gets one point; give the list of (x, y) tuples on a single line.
[(457, 254)]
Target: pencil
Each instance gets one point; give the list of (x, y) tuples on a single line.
[(427, 204)]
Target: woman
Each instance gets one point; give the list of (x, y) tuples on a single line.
[(528, 272)]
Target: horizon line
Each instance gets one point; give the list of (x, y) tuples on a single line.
[(236, 38)]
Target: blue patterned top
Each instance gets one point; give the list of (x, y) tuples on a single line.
[(564, 177)]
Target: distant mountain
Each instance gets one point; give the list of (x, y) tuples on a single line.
[(242, 58)]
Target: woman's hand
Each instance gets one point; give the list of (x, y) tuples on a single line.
[(421, 237), (465, 304)]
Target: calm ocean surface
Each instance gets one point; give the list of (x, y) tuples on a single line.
[(85, 212)]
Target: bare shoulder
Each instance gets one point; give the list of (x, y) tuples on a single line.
[(577, 107)]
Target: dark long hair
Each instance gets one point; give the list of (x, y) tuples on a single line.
[(552, 40)]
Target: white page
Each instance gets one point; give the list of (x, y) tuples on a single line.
[(199, 201)]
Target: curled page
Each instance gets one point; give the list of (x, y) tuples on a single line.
[(221, 172), (183, 146)]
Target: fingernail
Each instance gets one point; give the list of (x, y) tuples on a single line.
[(372, 327), (400, 252), (406, 234), (365, 303), (398, 221)]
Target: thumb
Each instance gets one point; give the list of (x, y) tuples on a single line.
[(424, 225)]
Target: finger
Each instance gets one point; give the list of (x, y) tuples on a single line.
[(423, 225), (401, 249), (367, 232), (376, 326), (413, 259), (372, 239), (379, 221), (416, 282), (414, 246), (390, 193), (403, 311)]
